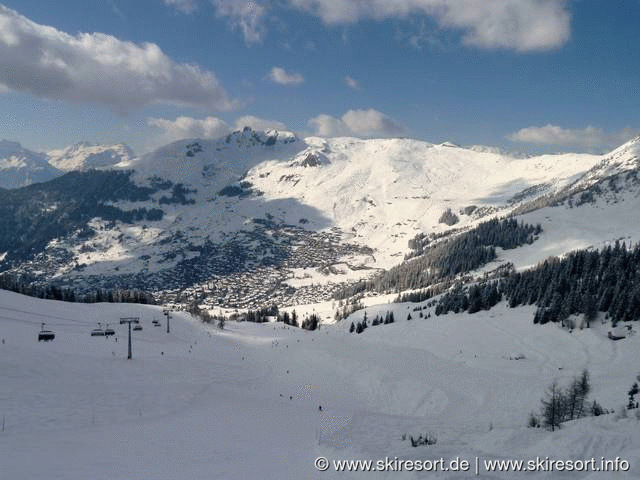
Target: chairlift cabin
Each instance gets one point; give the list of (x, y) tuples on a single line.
[(45, 335), (156, 323), (108, 332), (137, 328), (98, 332)]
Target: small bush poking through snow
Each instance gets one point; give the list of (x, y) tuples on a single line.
[(426, 440)]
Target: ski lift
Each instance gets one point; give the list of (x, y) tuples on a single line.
[(98, 332), (108, 332), (45, 335), (156, 323), (137, 328)]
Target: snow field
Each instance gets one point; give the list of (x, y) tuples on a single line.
[(245, 402)]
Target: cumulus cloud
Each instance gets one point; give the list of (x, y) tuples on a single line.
[(188, 127), (208, 127), (521, 25), (99, 68), (351, 82), (357, 123), (327, 126), (281, 76), (589, 137), (257, 123)]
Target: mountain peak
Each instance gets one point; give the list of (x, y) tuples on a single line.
[(20, 167), (628, 150), (268, 137)]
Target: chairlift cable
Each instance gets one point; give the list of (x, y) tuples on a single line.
[(37, 314)]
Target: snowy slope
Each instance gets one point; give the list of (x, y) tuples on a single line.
[(589, 226), (243, 403), (386, 191), (214, 163), (20, 167), (379, 193), (84, 156)]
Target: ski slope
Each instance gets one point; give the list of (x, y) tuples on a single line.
[(244, 403)]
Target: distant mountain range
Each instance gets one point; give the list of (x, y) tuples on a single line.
[(258, 217), (20, 167), (84, 156)]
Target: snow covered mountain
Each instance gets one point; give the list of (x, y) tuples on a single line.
[(377, 193), (293, 218), (623, 159), (84, 156), (20, 167)]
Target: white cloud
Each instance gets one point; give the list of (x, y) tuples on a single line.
[(281, 76), (208, 127), (588, 137), (327, 126), (99, 68), (521, 25), (257, 123), (188, 127), (358, 123), (185, 6), (247, 17), (115, 9), (351, 82)]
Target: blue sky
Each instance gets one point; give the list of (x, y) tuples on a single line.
[(525, 75)]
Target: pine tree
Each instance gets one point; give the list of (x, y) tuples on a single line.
[(552, 406), (632, 393), (583, 389), (475, 299), (590, 308)]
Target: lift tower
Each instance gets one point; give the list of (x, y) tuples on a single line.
[(167, 313), (130, 320)]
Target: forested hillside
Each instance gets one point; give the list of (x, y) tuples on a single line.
[(441, 259), (32, 216), (584, 282)]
